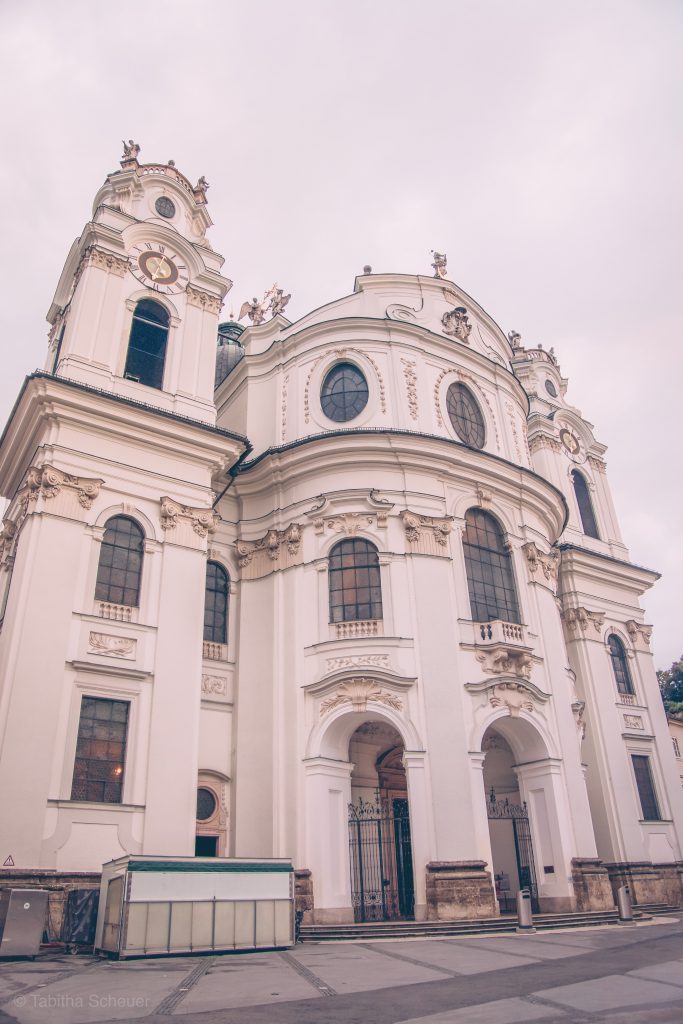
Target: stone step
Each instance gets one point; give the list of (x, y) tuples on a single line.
[(507, 923)]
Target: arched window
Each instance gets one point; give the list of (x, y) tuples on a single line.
[(120, 566), (619, 664), (489, 569), (355, 588), (216, 604), (465, 415), (583, 500), (147, 344)]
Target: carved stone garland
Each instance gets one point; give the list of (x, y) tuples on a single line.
[(504, 661), (47, 482), (547, 563), (410, 377), (357, 692), (203, 300), (416, 525), (579, 620)]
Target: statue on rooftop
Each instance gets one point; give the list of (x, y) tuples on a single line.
[(254, 310), (440, 264), (278, 300), (201, 185), (130, 150)]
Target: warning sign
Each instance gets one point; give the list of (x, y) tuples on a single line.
[(9, 863)]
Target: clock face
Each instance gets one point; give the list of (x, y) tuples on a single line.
[(572, 445), (159, 268)]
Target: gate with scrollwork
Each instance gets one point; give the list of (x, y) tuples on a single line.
[(518, 815), (380, 853)]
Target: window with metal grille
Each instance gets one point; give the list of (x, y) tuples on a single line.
[(677, 749), (646, 789), (216, 604), (354, 578), (583, 500), (465, 415), (344, 393), (147, 344), (120, 566), (100, 750), (488, 566), (619, 664)]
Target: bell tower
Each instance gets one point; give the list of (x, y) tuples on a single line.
[(137, 306)]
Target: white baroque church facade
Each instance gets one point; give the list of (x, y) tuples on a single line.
[(349, 590)]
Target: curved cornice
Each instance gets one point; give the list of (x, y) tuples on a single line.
[(401, 446)]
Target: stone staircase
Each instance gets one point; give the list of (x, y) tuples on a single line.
[(481, 926)]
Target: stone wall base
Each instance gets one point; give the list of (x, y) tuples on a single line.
[(592, 887), (649, 883), (303, 895), (59, 884), (331, 915), (459, 889)]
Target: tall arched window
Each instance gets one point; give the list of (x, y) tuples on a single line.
[(489, 569), (216, 604), (120, 566), (147, 344), (619, 664), (583, 500), (355, 588)]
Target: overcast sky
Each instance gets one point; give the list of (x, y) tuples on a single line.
[(537, 142)]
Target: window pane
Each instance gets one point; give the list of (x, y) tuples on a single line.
[(100, 747), (120, 565), (216, 604), (646, 789), (583, 500), (147, 344), (620, 665), (344, 393), (355, 589), (465, 415), (489, 570)]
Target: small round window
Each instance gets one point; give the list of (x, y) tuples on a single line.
[(165, 207), (551, 389), (465, 415), (344, 393), (206, 804)]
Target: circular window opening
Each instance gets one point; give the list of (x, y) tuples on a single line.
[(206, 804), (465, 415), (165, 207), (344, 393), (551, 389)]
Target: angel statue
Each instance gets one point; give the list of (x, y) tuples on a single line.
[(201, 185), (254, 310), (278, 300), (440, 263), (130, 150), (515, 339)]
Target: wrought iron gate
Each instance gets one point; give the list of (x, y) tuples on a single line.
[(381, 860), (521, 830)]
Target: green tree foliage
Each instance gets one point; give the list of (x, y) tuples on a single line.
[(671, 687)]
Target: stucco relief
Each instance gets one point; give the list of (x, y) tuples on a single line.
[(639, 632), (545, 565), (358, 692), (110, 262), (514, 694), (112, 646), (283, 421), (578, 710), (410, 377), (48, 482), (456, 324), (599, 465), (202, 520), (540, 441), (501, 661), (427, 534), (214, 686), (358, 661), (203, 300), (579, 621), (634, 722), (276, 550), (349, 523), (8, 538), (513, 427)]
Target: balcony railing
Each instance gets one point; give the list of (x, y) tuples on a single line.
[(629, 699), (499, 632), (214, 652), (118, 612), (368, 627)]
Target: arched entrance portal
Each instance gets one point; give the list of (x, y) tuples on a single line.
[(380, 848), (509, 829)]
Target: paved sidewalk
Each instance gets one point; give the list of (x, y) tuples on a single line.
[(611, 974)]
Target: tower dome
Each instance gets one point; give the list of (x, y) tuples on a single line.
[(229, 350)]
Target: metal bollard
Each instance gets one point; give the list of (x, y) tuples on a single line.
[(525, 921), (624, 905)]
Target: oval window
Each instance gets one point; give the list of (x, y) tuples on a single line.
[(206, 804), (465, 415), (344, 393), (551, 389)]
